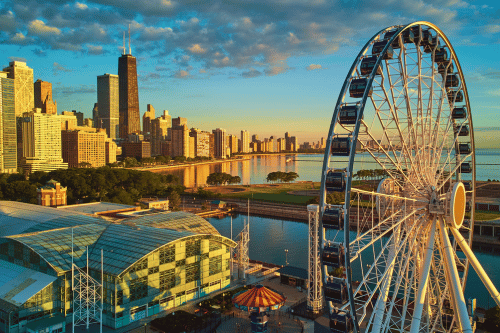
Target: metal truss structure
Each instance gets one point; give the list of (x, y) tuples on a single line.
[(87, 296), (314, 292), (242, 250)]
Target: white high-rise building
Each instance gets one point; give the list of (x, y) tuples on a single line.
[(245, 142), (220, 143), (41, 141), (23, 86)]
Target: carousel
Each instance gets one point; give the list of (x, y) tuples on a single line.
[(258, 301)]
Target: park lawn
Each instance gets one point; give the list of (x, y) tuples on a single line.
[(481, 215), (278, 197)]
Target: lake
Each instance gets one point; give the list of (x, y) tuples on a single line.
[(270, 237), (308, 167)]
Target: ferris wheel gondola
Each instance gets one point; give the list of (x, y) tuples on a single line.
[(405, 105)]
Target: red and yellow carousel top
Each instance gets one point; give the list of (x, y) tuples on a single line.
[(258, 299)]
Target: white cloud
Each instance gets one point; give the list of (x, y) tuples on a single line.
[(312, 67), (196, 48), (38, 27), (492, 28), (181, 74), (18, 38)]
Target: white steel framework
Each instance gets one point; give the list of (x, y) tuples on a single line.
[(403, 107), (314, 292), (87, 296), (242, 250)]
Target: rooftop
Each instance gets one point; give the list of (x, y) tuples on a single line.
[(295, 272), (95, 207)]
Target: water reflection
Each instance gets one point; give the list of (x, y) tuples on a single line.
[(255, 169)]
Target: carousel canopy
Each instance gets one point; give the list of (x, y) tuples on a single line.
[(258, 299)]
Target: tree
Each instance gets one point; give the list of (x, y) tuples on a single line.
[(84, 165), (222, 178), (492, 319), (174, 200)]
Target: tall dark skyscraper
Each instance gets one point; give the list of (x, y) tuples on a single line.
[(129, 94)]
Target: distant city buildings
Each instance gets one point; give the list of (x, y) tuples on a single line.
[(108, 104), (202, 142), (148, 116)]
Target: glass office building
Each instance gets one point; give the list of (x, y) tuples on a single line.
[(151, 263)]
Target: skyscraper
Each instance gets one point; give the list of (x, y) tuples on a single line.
[(148, 116), (43, 97), (8, 135), (220, 143), (201, 142), (129, 94), (181, 141), (108, 104), (233, 144), (84, 146), (245, 142), (23, 86), (159, 132)]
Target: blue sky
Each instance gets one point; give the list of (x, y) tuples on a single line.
[(266, 66)]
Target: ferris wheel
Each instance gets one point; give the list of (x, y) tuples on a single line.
[(389, 247)]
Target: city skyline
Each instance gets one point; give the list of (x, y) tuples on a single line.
[(240, 67)]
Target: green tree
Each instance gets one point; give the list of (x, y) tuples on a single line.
[(174, 200)]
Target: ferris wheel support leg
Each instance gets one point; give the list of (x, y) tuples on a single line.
[(380, 310), (457, 293), (477, 266), (424, 279)]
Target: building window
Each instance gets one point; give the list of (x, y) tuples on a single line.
[(192, 272), (181, 262), (138, 288), (119, 298), (167, 255), (143, 264), (193, 248), (167, 280), (153, 270), (215, 265), (214, 246)]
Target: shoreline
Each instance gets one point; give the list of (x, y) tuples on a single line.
[(245, 157)]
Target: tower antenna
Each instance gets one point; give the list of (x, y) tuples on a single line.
[(124, 42), (129, 49)]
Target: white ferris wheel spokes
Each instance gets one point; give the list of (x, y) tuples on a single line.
[(388, 262)]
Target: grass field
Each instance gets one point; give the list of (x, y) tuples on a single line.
[(484, 215)]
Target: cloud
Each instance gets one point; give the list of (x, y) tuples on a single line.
[(39, 52), (77, 89), (275, 70), (312, 67), (196, 48), (38, 27), (17, 59), (492, 28), (18, 38), (57, 68), (181, 74), (251, 73), (94, 49)]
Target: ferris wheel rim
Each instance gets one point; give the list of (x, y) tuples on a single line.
[(355, 132)]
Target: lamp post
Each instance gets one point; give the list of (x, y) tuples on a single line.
[(286, 257), (145, 326)]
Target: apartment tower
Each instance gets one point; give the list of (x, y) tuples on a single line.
[(220, 143), (8, 134), (23, 86), (43, 97)]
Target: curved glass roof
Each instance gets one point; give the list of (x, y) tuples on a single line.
[(181, 221), (48, 232)]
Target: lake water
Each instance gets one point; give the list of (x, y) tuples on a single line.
[(308, 167), (270, 237)]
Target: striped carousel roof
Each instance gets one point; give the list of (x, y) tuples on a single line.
[(260, 298)]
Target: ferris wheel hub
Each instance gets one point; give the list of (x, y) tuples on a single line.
[(457, 203)]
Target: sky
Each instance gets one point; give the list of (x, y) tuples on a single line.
[(266, 66)]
